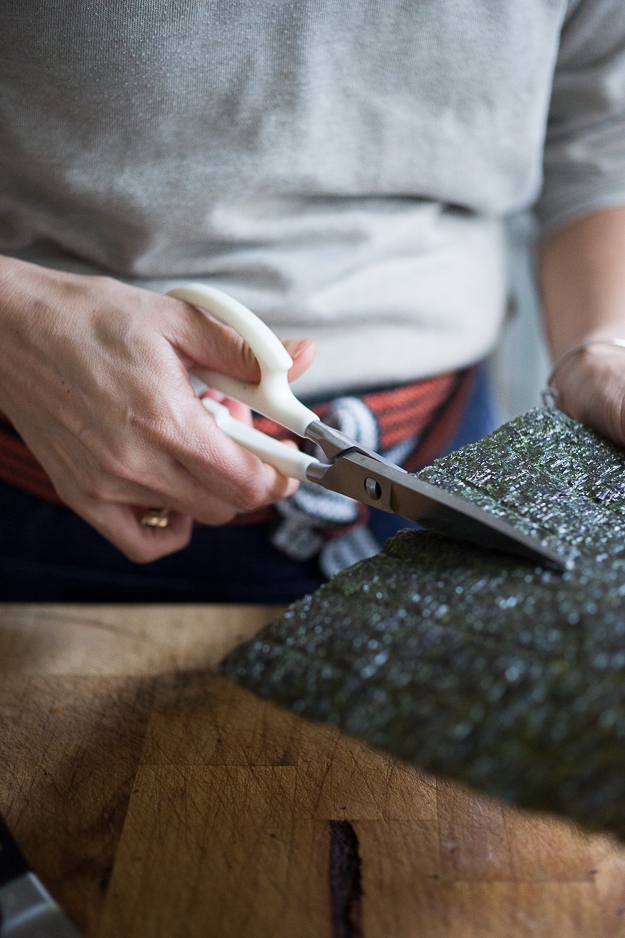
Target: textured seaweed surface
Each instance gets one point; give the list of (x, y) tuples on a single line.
[(477, 665)]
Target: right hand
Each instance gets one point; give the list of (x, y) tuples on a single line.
[(95, 379)]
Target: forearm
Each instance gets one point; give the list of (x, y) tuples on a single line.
[(582, 280), (582, 284)]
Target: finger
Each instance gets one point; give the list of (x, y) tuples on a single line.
[(591, 389), (202, 483), (221, 465), (241, 411), (209, 475), (302, 351), (207, 343), (194, 467), (212, 481), (120, 525), (219, 478)]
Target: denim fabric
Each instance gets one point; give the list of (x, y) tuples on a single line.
[(49, 554)]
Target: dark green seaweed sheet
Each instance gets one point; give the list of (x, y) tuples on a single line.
[(476, 665)]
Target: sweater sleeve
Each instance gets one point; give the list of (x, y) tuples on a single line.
[(584, 160)]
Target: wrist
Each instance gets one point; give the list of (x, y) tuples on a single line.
[(585, 348)]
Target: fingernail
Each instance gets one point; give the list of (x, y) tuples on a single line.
[(295, 347)]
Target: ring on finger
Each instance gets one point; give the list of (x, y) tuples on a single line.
[(155, 518)]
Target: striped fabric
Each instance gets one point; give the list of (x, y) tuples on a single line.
[(410, 426), (19, 467), (420, 417), (426, 414)]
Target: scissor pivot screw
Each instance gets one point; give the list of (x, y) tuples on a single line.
[(373, 489)]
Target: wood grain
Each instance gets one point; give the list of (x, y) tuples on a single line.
[(154, 798)]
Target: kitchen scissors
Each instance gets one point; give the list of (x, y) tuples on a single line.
[(351, 469)]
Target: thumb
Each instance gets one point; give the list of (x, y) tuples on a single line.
[(302, 351), (206, 343)]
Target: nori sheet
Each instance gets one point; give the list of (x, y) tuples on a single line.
[(475, 665)]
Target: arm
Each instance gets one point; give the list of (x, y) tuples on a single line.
[(582, 286), (582, 262), (94, 378)]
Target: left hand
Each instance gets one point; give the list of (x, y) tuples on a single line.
[(582, 281), (591, 389)]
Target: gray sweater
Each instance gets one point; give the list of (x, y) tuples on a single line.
[(341, 166)]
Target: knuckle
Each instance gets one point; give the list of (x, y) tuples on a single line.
[(251, 494), (141, 553), (147, 549), (215, 516), (144, 550), (124, 464), (157, 426), (100, 283), (106, 461), (226, 516), (124, 467), (112, 459), (94, 488)]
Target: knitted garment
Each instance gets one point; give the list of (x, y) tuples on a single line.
[(410, 425), (341, 168)]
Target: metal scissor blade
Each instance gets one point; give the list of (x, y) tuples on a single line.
[(392, 489)]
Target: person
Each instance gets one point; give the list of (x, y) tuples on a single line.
[(343, 170)]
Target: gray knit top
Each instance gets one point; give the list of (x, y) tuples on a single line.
[(341, 166)]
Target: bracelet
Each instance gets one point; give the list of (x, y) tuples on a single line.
[(550, 394)]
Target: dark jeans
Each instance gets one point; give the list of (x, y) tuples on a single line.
[(49, 554)]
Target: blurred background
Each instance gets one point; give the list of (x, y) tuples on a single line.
[(520, 364)]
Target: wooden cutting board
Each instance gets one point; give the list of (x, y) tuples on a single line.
[(154, 798)]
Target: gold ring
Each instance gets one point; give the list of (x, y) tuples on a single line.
[(155, 517)]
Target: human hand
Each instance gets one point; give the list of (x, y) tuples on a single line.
[(95, 379), (590, 387), (582, 285)]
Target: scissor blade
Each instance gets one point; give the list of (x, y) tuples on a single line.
[(391, 489)]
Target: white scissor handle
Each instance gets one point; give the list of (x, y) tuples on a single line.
[(272, 396), (289, 461)]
